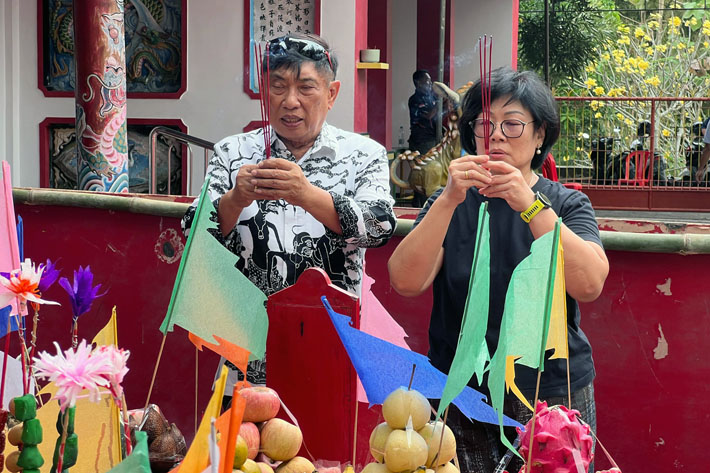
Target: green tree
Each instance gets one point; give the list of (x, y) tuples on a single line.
[(576, 31)]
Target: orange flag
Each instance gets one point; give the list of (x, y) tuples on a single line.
[(228, 426), (231, 352)]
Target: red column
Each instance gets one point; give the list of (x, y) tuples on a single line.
[(428, 14), (100, 52), (379, 82), (360, 92)]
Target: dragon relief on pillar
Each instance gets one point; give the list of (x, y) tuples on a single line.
[(430, 171)]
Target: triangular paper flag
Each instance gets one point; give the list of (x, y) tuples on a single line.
[(557, 335), (384, 367), (526, 318), (4, 314), (109, 334), (375, 320), (471, 353), (212, 297), (138, 461), (9, 246), (238, 356), (198, 456), (96, 425)]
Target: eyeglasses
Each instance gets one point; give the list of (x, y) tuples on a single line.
[(511, 128), (303, 45)]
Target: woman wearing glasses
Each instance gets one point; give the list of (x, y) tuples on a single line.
[(523, 126)]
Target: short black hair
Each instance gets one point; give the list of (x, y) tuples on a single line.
[(418, 75), (525, 87), (290, 58)]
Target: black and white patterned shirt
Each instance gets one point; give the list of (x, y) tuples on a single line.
[(276, 241)]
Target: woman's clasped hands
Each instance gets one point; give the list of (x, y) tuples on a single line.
[(493, 179)]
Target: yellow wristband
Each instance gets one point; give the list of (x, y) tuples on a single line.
[(531, 211)]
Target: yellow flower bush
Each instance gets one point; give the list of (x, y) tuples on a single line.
[(654, 81), (668, 55)]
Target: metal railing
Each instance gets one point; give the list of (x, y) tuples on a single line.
[(599, 133), (186, 140)]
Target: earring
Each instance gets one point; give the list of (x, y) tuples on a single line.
[(537, 151)]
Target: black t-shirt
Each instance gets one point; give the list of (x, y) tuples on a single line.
[(510, 241)]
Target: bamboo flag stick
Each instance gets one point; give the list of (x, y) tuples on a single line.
[(155, 371), (357, 404), (197, 352), (532, 422), (545, 326)]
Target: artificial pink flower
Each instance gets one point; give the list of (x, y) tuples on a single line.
[(22, 283), (115, 362), (74, 371)]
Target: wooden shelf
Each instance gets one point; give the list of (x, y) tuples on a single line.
[(372, 65)]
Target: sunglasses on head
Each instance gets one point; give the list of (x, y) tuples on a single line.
[(304, 45)]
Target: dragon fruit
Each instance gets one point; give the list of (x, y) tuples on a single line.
[(559, 437)]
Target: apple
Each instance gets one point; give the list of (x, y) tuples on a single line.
[(431, 433), (250, 433), (264, 467), (378, 437), (240, 453), (250, 466), (280, 440), (405, 450), (403, 404), (262, 403), (296, 465)]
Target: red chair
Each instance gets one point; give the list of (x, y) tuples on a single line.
[(549, 171), (641, 160)]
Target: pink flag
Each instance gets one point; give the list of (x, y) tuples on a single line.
[(376, 321), (9, 248)]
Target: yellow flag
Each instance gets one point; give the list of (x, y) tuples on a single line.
[(510, 380), (96, 424), (198, 456), (557, 334)]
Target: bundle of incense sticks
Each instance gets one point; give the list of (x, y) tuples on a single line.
[(485, 48), (264, 82)]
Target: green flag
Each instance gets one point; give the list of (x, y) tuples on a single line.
[(472, 351), (137, 461), (526, 318), (211, 296)]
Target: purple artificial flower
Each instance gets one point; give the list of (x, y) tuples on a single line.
[(82, 294), (49, 276)]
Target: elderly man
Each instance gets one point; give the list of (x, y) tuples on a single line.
[(319, 201)]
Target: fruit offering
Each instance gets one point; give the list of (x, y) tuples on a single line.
[(407, 440), (263, 436), (557, 434)]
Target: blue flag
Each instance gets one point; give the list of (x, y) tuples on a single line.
[(4, 314), (384, 367)]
